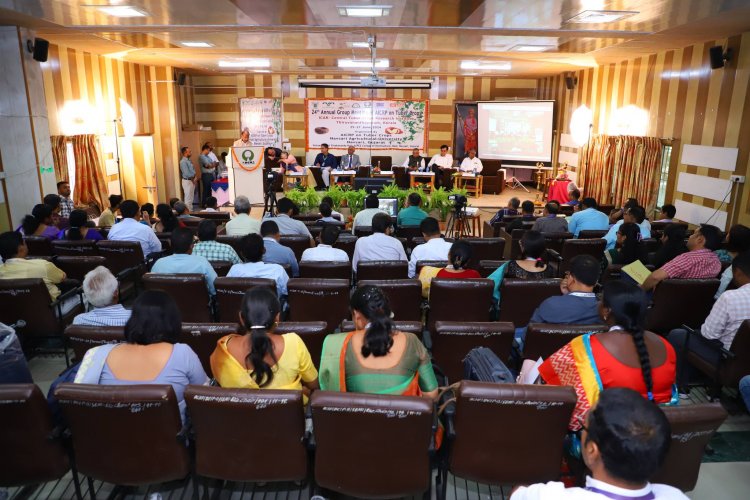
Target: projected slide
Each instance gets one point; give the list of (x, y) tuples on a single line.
[(520, 130)]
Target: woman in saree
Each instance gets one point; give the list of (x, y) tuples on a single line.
[(375, 358), (39, 223), (625, 356), (261, 358)]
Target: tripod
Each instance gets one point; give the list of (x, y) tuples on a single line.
[(269, 199), (457, 226), (514, 183)]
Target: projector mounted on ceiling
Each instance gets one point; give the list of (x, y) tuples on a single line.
[(373, 82)]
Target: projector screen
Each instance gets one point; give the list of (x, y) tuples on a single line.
[(515, 130)]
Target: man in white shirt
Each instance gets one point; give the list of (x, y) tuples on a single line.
[(440, 163), (364, 217), (242, 224), (129, 229), (623, 443), (380, 245), (415, 162), (471, 163), (101, 290), (325, 252), (244, 140), (434, 247), (253, 250)]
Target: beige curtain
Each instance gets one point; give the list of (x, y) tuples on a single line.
[(90, 184), (60, 157)]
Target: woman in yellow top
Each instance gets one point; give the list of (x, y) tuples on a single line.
[(262, 359)]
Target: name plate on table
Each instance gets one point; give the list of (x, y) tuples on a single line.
[(422, 174), (467, 174), (344, 172), (296, 174), (383, 172)]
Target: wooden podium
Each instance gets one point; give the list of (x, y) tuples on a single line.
[(246, 174)]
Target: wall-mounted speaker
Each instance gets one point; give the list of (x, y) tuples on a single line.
[(39, 49), (571, 82), (717, 56), (181, 77)]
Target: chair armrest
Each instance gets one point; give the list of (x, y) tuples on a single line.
[(725, 353), (66, 295), (68, 284)]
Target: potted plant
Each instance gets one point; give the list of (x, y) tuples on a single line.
[(439, 201), (337, 195), (393, 191), (355, 200)]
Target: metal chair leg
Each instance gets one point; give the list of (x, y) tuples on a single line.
[(92, 494)]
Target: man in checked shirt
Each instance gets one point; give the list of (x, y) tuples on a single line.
[(211, 249)]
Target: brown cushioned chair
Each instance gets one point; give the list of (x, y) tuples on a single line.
[(459, 300), (430, 263), (188, 290), (249, 453), (312, 333), (487, 267), (298, 244), (221, 267), (555, 241), (202, 338), (520, 298), (233, 241), (39, 246), (325, 270), (385, 162), (591, 234), (77, 267), (414, 327), (614, 272), (229, 293), (678, 302), (492, 419), (32, 453), (573, 247), (318, 300), (361, 231), (346, 242), (401, 177), (404, 295), (137, 425), (382, 270), (363, 451), (494, 179), (125, 260), (734, 363), (217, 217), (693, 426), (77, 248), (453, 340), (485, 249), (81, 338), (544, 339)]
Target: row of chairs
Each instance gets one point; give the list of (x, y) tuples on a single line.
[(133, 436)]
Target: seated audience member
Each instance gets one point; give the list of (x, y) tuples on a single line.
[(667, 213), (276, 253), (212, 204), (635, 215), (260, 358), (532, 265), (183, 212), (471, 164), (39, 223), (150, 353), (53, 202), (172, 202), (578, 303), (737, 242), (626, 248), (325, 252), (623, 443), (618, 213), (364, 217), (574, 196), (252, 251), (334, 213), (129, 229), (101, 290), (326, 213), (588, 218), (242, 224), (511, 209), (285, 209), (211, 249), (182, 260), (107, 217), (698, 262), (147, 213), (459, 256), (412, 215), (550, 222), (434, 247), (527, 215), (77, 229), (625, 356), (721, 325), (672, 245), (377, 359), (168, 221), (380, 245), (15, 266), (14, 368)]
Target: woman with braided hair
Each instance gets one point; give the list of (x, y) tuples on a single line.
[(376, 358), (625, 356), (459, 256)]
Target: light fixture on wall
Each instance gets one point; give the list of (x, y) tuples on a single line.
[(75, 118), (581, 123), (628, 120), (364, 10)]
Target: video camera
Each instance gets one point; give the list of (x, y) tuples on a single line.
[(459, 201)]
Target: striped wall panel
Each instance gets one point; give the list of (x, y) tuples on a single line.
[(685, 100)]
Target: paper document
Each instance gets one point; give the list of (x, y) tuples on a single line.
[(637, 271), (529, 371)]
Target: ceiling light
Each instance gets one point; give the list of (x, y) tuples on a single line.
[(119, 10), (532, 48), (363, 63), (364, 10), (261, 71), (363, 45), (197, 45), (356, 83), (601, 16), (482, 65), (246, 63)]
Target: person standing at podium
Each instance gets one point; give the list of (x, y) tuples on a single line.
[(244, 140)]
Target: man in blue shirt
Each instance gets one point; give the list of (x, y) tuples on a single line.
[(276, 253), (182, 262), (589, 218), (326, 162), (636, 215)]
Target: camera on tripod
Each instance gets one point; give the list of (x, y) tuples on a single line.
[(459, 201)]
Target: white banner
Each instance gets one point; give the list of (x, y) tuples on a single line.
[(263, 118), (366, 123)]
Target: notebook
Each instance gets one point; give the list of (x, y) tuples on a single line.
[(637, 271)]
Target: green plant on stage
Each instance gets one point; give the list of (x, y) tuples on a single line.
[(306, 199), (355, 199), (393, 191), (312, 199), (337, 195), (296, 195), (439, 201)]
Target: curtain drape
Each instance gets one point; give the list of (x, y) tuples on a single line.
[(60, 157), (90, 185), (613, 168)]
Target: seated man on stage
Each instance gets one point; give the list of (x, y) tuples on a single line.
[(439, 164), (471, 163), (414, 162), (350, 161), (326, 162)]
